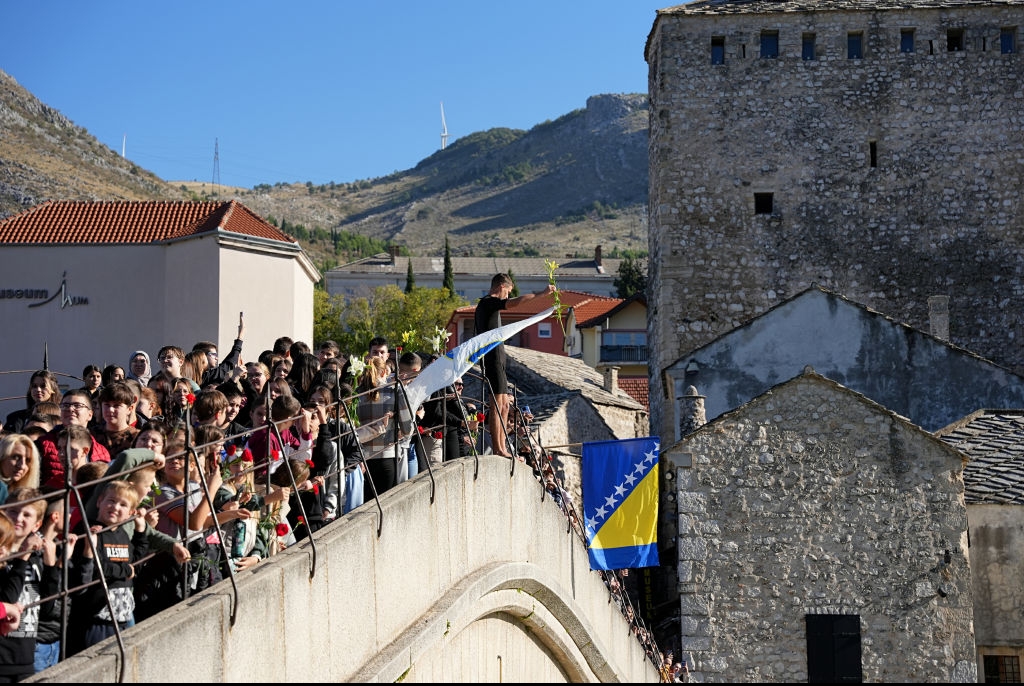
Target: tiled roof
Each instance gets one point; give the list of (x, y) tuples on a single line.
[(637, 387), (594, 310), (63, 222), (767, 6), (383, 263), (532, 306), (994, 442), (538, 374)]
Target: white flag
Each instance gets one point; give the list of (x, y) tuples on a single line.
[(446, 369)]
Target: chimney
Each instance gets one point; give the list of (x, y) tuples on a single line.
[(938, 316), (597, 256), (393, 250), (691, 412), (611, 377)]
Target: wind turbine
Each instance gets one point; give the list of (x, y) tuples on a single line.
[(444, 130)]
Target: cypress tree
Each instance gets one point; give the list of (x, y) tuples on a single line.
[(410, 278), (449, 274)]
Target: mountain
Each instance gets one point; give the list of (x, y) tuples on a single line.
[(561, 188)]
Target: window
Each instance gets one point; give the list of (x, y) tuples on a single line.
[(769, 44), (906, 40), (808, 46), (544, 330), (1008, 40), (873, 152), (954, 40), (855, 46), (1002, 669), (623, 338), (763, 203), (717, 50), (833, 648)]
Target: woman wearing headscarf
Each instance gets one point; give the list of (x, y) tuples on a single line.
[(139, 367)]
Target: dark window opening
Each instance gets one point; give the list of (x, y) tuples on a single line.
[(855, 46), (763, 203), (833, 649), (955, 40), (743, 50), (808, 46), (931, 48), (873, 148), (907, 40), (769, 44), (984, 44), (718, 50), (1002, 669), (1008, 41)]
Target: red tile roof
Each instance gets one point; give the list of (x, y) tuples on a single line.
[(594, 309), (536, 305), (63, 222), (637, 388)]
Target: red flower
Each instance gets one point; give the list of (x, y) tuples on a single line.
[(191, 398), (246, 455), (310, 463), (275, 456), (302, 520), (316, 489), (421, 429), (437, 435), (282, 529), (480, 416), (232, 449)]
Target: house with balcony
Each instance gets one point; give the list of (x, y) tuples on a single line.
[(607, 334)]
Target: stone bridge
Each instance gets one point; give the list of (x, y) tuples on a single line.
[(470, 576)]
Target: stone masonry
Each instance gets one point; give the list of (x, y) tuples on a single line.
[(812, 499), (889, 178)]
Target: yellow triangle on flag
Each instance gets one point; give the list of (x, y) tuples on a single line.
[(635, 521)]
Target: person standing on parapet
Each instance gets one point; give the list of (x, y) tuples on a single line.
[(488, 317)]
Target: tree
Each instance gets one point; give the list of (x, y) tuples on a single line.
[(631, 279), (388, 312), (449, 275), (410, 278), (515, 286)]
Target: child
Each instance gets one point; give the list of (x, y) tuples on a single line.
[(41, 578), (92, 619), (11, 580), (117, 402)]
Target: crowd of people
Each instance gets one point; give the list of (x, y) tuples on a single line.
[(162, 481)]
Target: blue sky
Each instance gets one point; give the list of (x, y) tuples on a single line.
[(316, 90)]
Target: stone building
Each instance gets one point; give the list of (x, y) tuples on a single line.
[(873, 147), (913, 373), (821, 538), (994, 493)]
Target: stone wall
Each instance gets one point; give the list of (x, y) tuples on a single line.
[(811, 500), (938, 212)]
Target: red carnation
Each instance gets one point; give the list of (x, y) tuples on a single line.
[(438, 435), (282, 529), (316, 489), (421, 429), (310, 463), (232, 449), (274, 455), (301, 519), (480, 416), (246, 455), (191, 398)]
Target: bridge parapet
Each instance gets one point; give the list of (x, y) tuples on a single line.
[(482, 584)]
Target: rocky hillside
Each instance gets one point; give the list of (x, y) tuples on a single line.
[(560, 188)]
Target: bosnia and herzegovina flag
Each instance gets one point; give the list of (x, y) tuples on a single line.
[(620, 502)]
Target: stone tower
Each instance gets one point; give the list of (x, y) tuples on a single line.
[(872, 147)]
